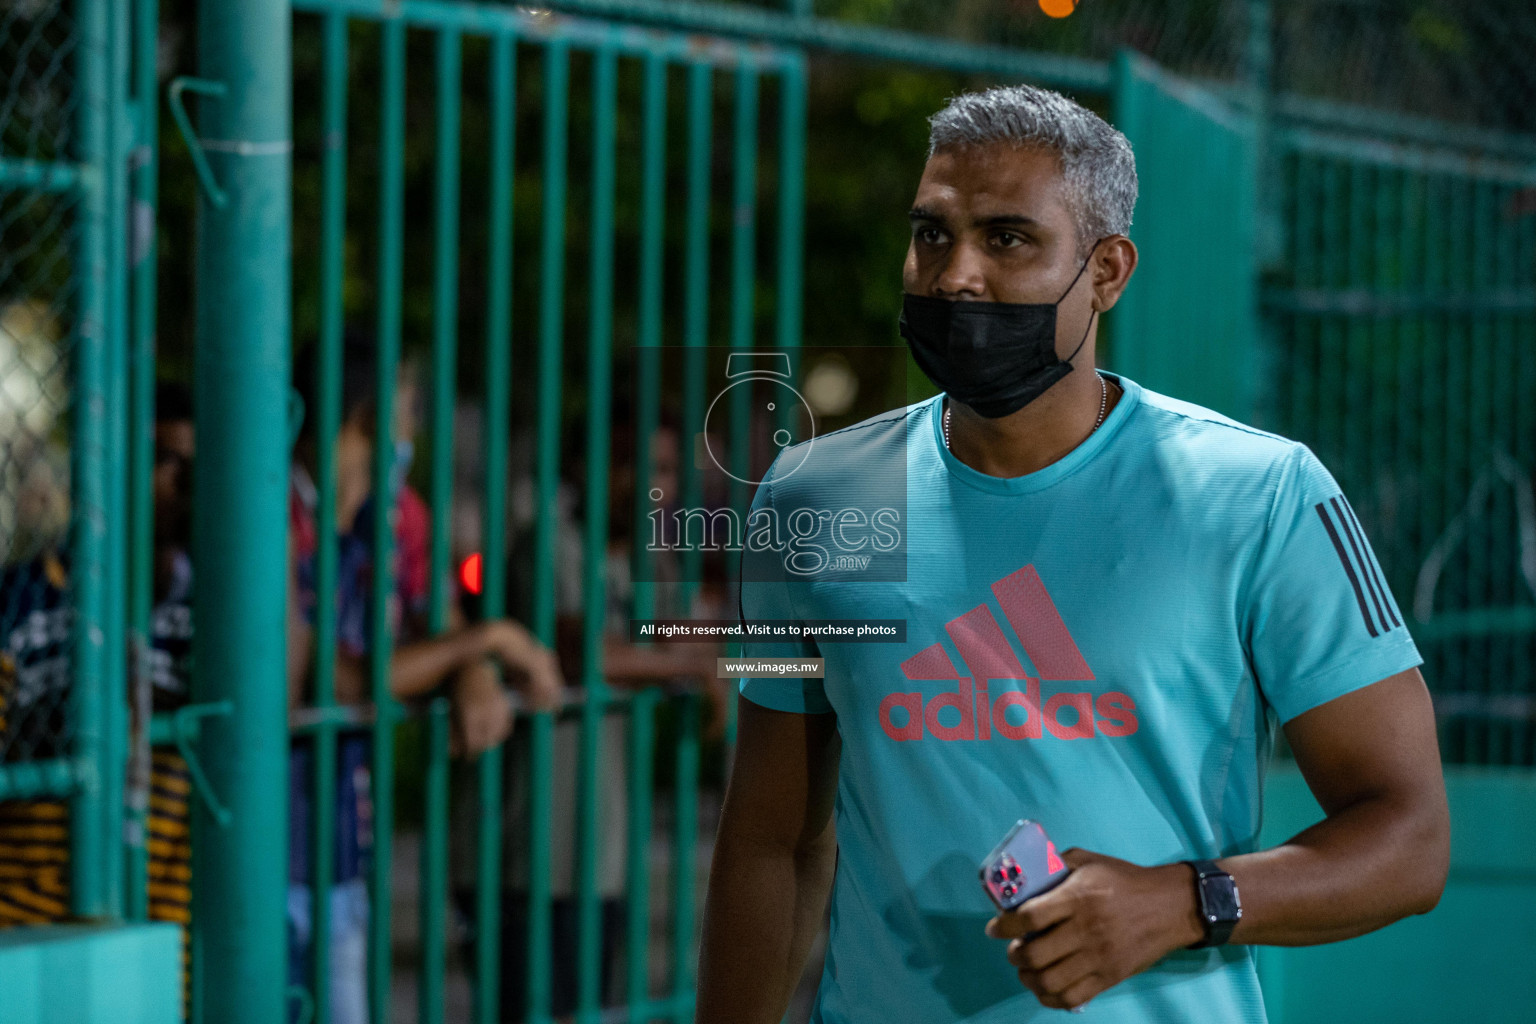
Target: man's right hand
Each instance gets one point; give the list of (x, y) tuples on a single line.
[(521, 653), (482, 711)]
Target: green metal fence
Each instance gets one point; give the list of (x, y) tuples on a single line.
[(1391, 332), (62, 304), (491, 44), (1403, 324)]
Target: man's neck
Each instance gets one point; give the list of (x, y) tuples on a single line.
[(1041, 433)]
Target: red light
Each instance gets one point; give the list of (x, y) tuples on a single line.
[(471, 573)]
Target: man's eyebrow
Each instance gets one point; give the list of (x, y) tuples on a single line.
[(1014, 220), (1011, 220)]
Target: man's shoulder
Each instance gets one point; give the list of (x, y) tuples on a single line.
[(1199, 434), (872, 451)]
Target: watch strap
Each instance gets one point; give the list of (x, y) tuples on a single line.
[(1218, 928)]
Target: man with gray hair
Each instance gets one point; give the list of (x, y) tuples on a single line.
[(1112, 600)]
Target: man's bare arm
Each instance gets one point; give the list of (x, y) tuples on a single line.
[(1372, 760), (773, 865)]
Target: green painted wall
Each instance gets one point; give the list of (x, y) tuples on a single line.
[(87, 974), (1187, 325), (1472, 960)]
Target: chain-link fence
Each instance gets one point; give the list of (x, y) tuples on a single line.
[(1462, 62), (37, 320)]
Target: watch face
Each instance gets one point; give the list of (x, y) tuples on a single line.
[(1219, 899)]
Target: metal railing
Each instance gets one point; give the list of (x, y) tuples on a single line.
[(1400, 329)]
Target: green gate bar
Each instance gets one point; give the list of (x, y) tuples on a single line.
[(695, 315), (381, 631), (445, 309), (653, 162), (327, 420), (144, 169), (551, 326), (743, 275), (242, 360), (112, 768), (641, 738), (684, 840), (498, 383), (93, 337), (595, 541)]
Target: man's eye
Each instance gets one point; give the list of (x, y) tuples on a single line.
[(1008, 240), (929, 236)]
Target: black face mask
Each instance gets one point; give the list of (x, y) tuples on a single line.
[(995, 357)]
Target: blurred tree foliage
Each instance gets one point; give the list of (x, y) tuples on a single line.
[(867, 137)]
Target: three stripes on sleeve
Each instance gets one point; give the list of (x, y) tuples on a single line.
[(1359, 565)]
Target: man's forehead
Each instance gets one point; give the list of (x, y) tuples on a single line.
[(995, 180)]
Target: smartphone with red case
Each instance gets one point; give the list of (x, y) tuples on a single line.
[(1024, 864)]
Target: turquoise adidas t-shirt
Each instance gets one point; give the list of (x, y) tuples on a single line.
[(1105, 645)]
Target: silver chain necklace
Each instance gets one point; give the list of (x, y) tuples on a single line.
[(1103, 404)]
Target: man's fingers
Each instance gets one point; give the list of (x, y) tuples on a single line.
[(1062, 977), (1042, 951), (1075, 857), (1065, 985), (1078, 994), (1033, 915), (1030, 980)]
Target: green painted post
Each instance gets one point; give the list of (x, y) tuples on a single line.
[(1456, 473), (88, 542), (114, 677), (144, 172), (1432, 345), (333, 214), (684, 842), (434, 866), (1480, 440), (653, 199), (551, 326), (1303, 257), (743, 274), (605, 77), (1522, 327), (445, 316), (1355, 424), (445, 310), (240, 524), (695, 314), (381, 633), (642, 754), (498, 383), (642, 710), (791, 212), (1509, 426)]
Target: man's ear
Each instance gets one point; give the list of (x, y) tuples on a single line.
[(1114, 261)]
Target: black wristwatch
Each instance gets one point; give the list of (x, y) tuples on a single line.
[(1220, 907)]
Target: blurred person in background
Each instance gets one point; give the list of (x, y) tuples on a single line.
[(36, 670), (1182, 583), (625, 665), (467, 662)]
